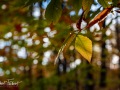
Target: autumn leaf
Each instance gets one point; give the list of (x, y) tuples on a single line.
[(84, 46), (101, 23), (99, 17), (78, 25)]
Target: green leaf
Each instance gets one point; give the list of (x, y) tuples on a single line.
[(86, 4), (69, 41), (66, 44), (84, 46), (77, 4), (53, 11), (104, 3)]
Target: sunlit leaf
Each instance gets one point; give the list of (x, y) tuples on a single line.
[(86, 4), (84, 46), (53, 11)]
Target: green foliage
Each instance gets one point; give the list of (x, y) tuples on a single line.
[(104, 3), (86, 4), (53, 11), (77, 4)]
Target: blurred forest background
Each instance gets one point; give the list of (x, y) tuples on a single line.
[(29, 45)]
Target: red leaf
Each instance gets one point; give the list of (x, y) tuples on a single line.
[(78, 25), (101, 23), (100, 16)]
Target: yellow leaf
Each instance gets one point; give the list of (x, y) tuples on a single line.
[(84, 46)]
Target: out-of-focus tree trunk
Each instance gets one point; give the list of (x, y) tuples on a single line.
[(77, 84), (118, 44), (103, 71), (103, 67), (41, 81), (58, 67), (29, 76), (59, 74), (64, 66), (61, 69), (76, 80), (89, 84)]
